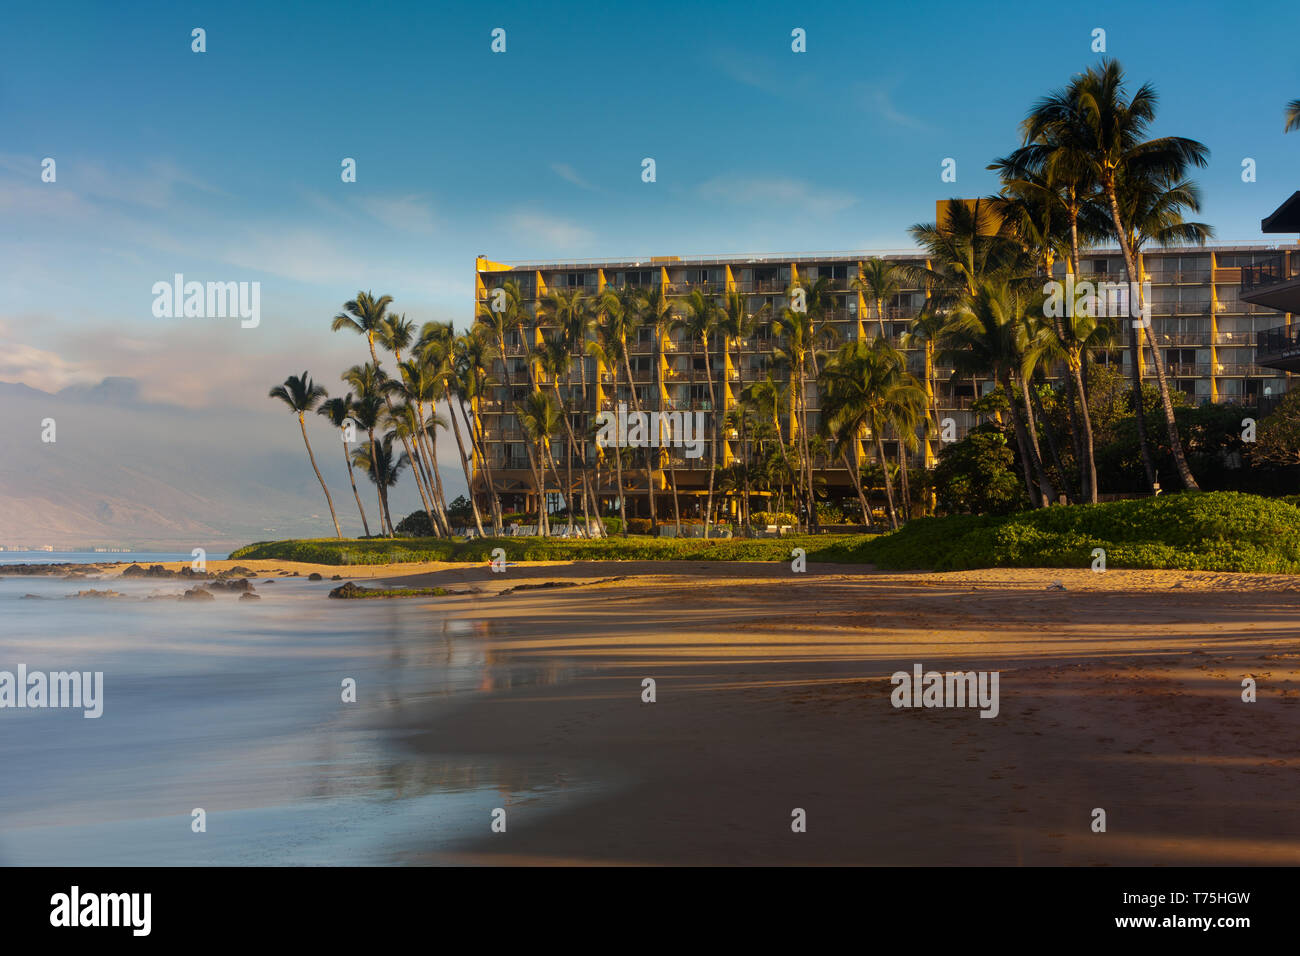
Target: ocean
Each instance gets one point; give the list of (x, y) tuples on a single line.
[(235, 708)]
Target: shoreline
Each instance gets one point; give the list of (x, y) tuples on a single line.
[(1119, 690)]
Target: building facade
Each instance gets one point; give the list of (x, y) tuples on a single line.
[(1207, 329)]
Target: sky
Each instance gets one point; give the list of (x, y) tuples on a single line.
[(226, 165)]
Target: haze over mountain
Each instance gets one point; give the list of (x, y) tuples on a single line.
[(129, 473)]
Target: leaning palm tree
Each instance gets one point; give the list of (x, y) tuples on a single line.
[(795, 331), (1112, 128), (620, 309), (367, 315), (302, 396), (339, 413), (926, 331), (1292, 116)]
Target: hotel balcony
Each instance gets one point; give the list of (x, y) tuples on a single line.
[(1279, 348), (1268, 284)]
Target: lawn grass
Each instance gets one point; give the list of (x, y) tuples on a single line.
[(1209, 531)]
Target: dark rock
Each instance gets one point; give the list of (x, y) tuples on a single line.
[(35, 597), (349, 590), (197, 594), (134, 571), (337, 577), (250, 596), (314, 577), (97, 594), (240, 585)]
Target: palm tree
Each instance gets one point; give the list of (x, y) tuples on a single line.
[(339, 412), (367, 316), (621, 309), (1111, 129), (377, 461), (879, 280), (657, 314), (926, 331), (609, 350), (302, 396), (987, 335), (868, 387), (473, 357), (737, 324), (1292, 116), (552, 359), (701, 320), (539, 416), (436, 351), (795, 330), (368, 381)]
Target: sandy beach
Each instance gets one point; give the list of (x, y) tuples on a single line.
[(1121, 692)]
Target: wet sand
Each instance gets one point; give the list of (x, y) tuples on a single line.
[(1121, 692)]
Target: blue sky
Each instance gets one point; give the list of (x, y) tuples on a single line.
[(225, 165)]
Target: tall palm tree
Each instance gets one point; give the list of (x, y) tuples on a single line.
[(737, 324), (657, 314), (868, 387), (436, 353), (474, 355), (368, 381), (608, 348), (621, 310), (339, 412), (879, 280), (987, 336), (926, 331), (1112, 127), (302, 396), (539, 416), (702, 318), (367, 315), (553, 359), (377, 462), (795, 330)]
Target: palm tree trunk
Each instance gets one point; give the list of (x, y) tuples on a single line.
[(1139, 407), (884, 468), (352, 478), (903, 486), (1044, 483), (713, 441), (452, 400), (1135, 284), (855, 473), (379, 492), (338, 532), (650, 471), (1050, 433), (1022, 442), (672, 471)]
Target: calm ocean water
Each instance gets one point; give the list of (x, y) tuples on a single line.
[(235, 707), (96, 557)]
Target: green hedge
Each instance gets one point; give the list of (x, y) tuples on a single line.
[(1214, 531)]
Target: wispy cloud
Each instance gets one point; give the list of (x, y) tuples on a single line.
[(571, 175), (549, 230), (878, 100), (779, 192)]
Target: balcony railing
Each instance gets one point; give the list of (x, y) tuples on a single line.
[(1269, 272), (1278, 343)]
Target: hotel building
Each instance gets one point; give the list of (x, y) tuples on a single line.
[(1208, 307)]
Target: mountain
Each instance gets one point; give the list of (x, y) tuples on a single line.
[(122, 472)]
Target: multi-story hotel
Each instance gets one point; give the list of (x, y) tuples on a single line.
[(1206, 316)]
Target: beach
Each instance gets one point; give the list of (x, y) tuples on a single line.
[(1119, 691)]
